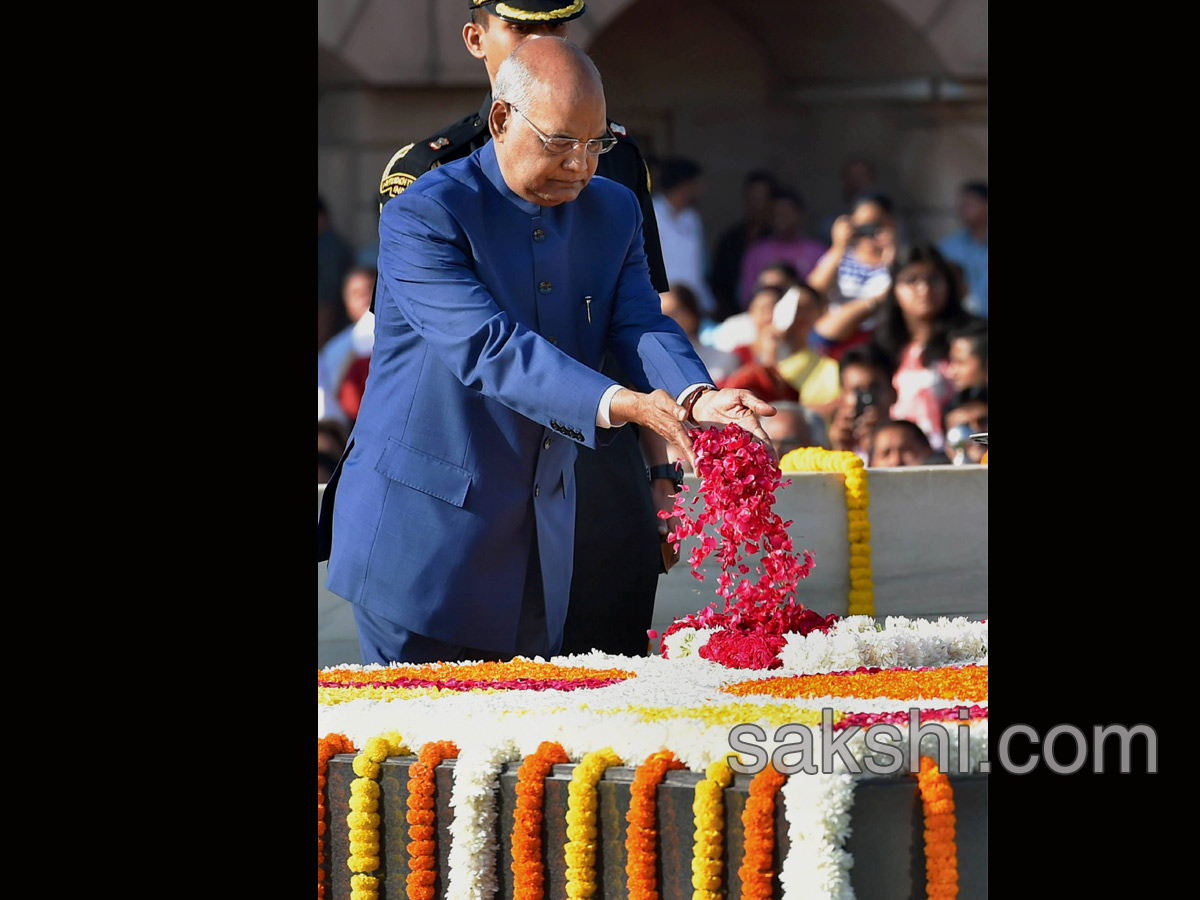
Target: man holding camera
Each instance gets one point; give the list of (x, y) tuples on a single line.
[(854, 274), (867, 395)]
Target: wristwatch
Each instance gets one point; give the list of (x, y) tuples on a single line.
[(672, 472)]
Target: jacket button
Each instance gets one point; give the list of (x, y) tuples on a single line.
[(536, 489), (546, 444), (545, 287), (539, 235)]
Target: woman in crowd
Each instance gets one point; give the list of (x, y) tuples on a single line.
[(922, 307)]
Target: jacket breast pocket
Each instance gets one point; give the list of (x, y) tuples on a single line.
[(427, 474)]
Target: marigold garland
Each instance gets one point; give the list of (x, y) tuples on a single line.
[(758, 823), (580, 849), (422, 818), (950, 682), (707, 851), (364, 816), (527, 865), (641, 866), (858, 498), (327, 748), (941, 848)]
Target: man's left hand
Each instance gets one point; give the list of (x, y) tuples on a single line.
[(735, 406)]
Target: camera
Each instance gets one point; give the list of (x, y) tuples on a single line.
[(869, 230), (862, 399)]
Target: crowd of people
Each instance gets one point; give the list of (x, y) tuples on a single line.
[(874, 339)]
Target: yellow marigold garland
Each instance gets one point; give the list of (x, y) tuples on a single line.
[(327, 748), (758, 823), (858, 498), (422, 818), (581, 821), (364, 816), (641, 865), (527, 864), (708, 849), (941, 848)]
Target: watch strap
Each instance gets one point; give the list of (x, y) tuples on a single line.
[(672, 472)]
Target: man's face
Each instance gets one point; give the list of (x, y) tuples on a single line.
[(965, 369), (874, 214), (858, 377), (896, 447), (501, 37), (533, 172), (972, 209), (357, 295), (787, 216), (975, 416), (787, 431), (681, 314)]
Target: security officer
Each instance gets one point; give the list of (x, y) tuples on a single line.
[(618, 536)]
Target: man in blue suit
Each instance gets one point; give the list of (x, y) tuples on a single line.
[(504, 278)]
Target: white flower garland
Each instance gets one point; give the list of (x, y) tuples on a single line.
[(472, 858), (861, 641), (817, 866)]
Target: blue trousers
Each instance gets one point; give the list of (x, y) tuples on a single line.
[(383, 641)]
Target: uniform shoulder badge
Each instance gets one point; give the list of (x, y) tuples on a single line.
[(617, 129), (414, 160)]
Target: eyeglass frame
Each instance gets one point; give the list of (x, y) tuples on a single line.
[(575, 142)]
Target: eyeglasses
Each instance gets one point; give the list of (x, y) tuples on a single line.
[(558, 146)]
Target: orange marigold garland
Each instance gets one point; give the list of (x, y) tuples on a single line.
[(708, 866), (968, 682), (327, 748), (641, 866), (580, 849), (758, 823), (941, 849), (528, 870), (422, 818)]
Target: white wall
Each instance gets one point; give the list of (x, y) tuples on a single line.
[(929, 552)]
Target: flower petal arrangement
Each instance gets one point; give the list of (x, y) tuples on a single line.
[(738, 481)]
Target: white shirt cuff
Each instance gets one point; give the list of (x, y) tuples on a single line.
[(602, 413)]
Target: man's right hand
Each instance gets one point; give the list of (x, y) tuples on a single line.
[(657, 411)]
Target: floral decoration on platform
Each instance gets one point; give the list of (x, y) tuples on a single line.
[(338, 685), (738, 481), (950, 682)]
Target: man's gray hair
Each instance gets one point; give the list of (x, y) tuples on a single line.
[(516, 85)]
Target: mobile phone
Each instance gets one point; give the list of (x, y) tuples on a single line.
[(862, 399)]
